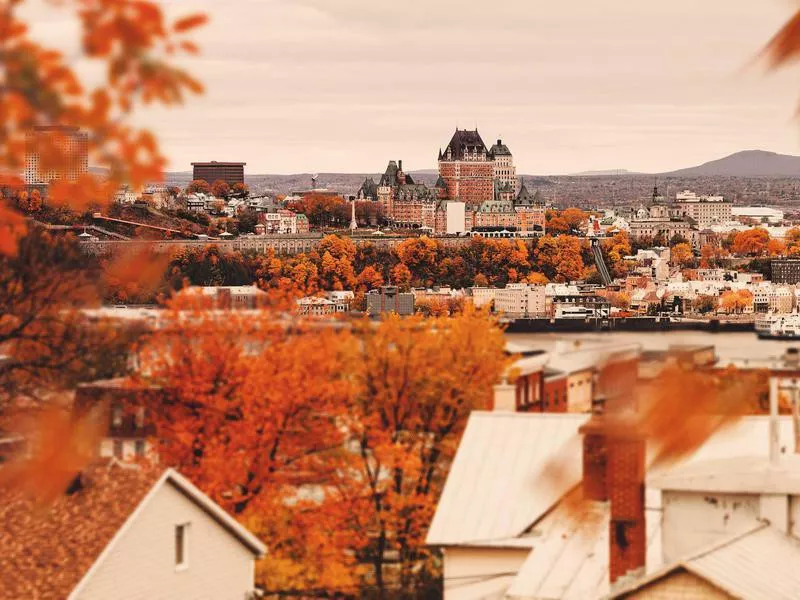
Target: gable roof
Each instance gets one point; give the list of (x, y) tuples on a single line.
[(492, 494), (49, 551), (494, 491), (759, 564)]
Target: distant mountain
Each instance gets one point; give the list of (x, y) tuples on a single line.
[(748, 163)]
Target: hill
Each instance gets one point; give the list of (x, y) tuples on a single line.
[(748, 163)]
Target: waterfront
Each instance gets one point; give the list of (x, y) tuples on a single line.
[(728, 345)]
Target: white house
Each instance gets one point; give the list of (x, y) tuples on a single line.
[(508, 527), (125, 532)]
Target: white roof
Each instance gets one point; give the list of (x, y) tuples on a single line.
[(759, 565), (756, 211), (743, 474), (494, 491), (569, 559)]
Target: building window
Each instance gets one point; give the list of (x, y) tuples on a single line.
[(117, 448), (182, 546), (116, 415), (139, 448)]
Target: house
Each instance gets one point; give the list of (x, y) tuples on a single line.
[(226, 296), (759, 563), (316, 306), (124, 532), (506, 521), (127, 434)]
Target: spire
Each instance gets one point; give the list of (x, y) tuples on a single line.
[(655, 188), (353, 222)]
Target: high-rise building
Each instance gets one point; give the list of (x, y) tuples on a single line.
[(505, 173), (229, 172), (467, 168), (55, 152)]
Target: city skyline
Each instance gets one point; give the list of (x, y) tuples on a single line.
[(341, 87)]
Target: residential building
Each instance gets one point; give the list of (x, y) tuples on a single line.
[(389, 299), (786, 270), (626, 531), (124, 532), (703, 210), (342, 300), (482, 296), (229, 172), (227, 296), (55, 152), (520, 299), (121, 404), (316, 306)]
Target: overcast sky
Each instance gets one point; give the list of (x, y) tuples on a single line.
[(570, 85)]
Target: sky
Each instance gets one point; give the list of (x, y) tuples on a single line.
[(297, 86)]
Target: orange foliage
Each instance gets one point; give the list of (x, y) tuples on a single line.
[(135, 43)]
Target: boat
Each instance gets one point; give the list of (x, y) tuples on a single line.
[(782, 328)]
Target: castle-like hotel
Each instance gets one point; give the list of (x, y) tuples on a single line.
[(476, 191)]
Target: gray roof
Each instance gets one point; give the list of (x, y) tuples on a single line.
[(759, 565), (500, 149), (525, 198), (464, 141)]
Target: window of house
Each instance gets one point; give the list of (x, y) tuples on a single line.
[(140, 417), (117, 448), (182, 546), (139, 448), (116, 415)]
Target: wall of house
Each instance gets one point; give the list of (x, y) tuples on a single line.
[(141, 564), (471, 573), (579, 391), (694, 520), (683, 585)]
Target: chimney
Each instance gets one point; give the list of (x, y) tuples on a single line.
[(614, 471), (505, 397)]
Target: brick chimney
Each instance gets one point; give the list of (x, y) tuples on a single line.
[(614, 471)]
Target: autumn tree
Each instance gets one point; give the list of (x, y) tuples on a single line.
[(416, 383), (575, 218), (560, 258), (736, 301), (198, 186), (711, 256), (401, 277), (751, 242), (421, 256), (681, 255), (221, 189), (705, 304), (240, 190), (49, 342), (135, 44), (555, 224)]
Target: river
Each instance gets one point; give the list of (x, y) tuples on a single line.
[(728, 345)]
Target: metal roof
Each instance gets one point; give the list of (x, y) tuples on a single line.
[(569, 559), (494, 490), (759, 565), (743, 474)]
